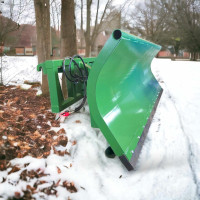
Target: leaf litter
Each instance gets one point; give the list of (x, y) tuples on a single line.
[(26, 130)]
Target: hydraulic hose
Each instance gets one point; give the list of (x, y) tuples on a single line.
[(76, 78)]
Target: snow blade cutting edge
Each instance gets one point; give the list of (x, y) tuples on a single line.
[(122, 92)]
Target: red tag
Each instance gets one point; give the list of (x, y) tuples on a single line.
[(65, 114)]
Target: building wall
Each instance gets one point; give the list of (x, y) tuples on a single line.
[(19, 51), (186, 55), (164, 54), (28, 51), (1, 49)]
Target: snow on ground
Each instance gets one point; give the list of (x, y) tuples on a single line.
[(168, 166), (17, 69)]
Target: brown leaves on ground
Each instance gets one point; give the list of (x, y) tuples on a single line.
[(48, 190), (70, 186), (14, 169), (26, 175), (25, 123)]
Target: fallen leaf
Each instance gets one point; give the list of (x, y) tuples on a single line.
[(63, 142), (58, 170), (61, 131), (32, 116), (17, 195), (57, 184), (14, 169), (74, 142)]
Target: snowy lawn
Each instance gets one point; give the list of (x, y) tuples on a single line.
[(17, 69), (168, 166)]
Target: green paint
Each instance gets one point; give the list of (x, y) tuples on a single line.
[(121, 89)]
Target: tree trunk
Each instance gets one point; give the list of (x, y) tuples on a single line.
[(91, 37), (193, 56), (82, 31), (87, 34), (42, 14), (68, 35)]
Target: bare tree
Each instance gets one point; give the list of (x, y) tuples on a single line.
[(91, 34), (10, 14), (42, 13), (6, 26), (168, 22), (150, 20), (82, 31), (68, 34), (88, 29), (55, 13), (186, 17)]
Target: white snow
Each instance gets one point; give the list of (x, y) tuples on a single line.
[(17, 69), (4, 137), (25, 86), (39, 92), (168, 166)]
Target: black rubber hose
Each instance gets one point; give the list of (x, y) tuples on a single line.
[(64, 71), (75, 78)]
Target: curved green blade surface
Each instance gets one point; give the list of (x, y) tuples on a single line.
[(122, 91)]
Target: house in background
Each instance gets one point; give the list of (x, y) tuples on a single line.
[(96, 47), (23, 41), (99, 42), (26, 40), (112, 22), (26, 43), (19, 51), (80, 39), (166, 53)]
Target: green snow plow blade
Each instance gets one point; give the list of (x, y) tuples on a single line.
[(122, 93)]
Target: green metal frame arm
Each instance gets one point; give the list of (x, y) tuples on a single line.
[(75, 92)]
